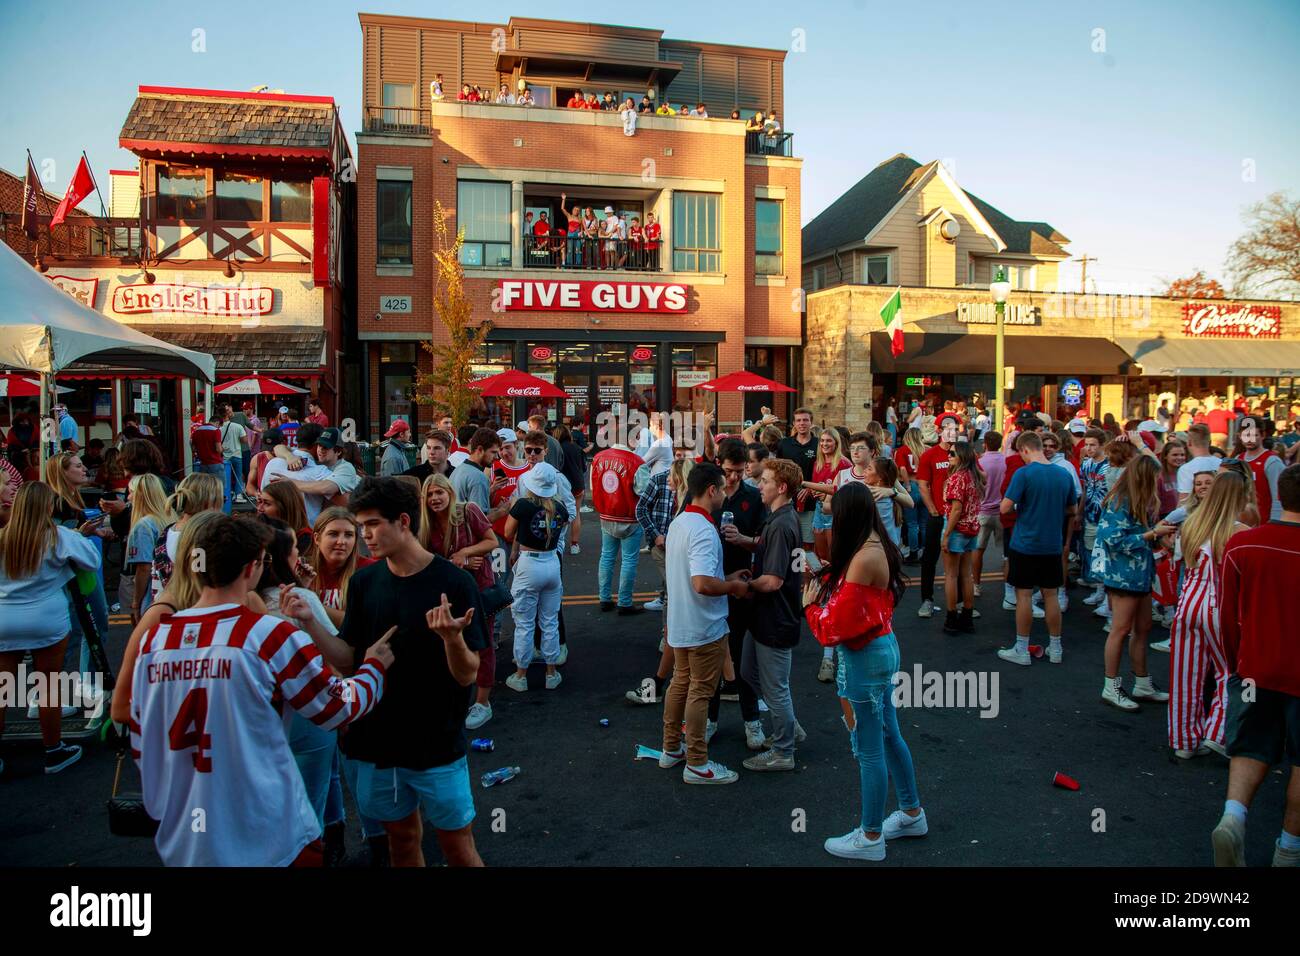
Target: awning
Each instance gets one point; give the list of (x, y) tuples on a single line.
[(581, 67), (1033, 355), (1261, 359)]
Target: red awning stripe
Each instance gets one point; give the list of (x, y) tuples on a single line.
[(229, 149)]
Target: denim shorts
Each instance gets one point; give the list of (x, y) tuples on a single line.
[(394, 793), (821, 520), (959, 543)]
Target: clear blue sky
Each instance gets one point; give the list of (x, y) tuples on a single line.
[(1136, 153)]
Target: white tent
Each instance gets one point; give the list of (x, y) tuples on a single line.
[(44, 329)]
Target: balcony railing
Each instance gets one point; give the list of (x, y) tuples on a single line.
[(81, 237), (402, 120), (762, 144), (565, 252)]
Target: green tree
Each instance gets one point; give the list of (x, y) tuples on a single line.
[(446, 385)]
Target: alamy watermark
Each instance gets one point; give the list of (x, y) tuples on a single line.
[(32, 688)]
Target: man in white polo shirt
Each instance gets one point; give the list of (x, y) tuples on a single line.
[(697, 625)]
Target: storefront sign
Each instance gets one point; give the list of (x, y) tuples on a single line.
[(687, 378), (1072, 391), (643, 378), (642, 354), (922, 381), (542, 353), (395, 304), (550, 295), (193, 299), (83, 290), (1222, 320), (985, 313)]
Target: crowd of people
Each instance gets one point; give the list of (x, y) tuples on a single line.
[(588, 241), (375, 605)]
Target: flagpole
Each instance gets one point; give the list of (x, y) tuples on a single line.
[(103, 210)]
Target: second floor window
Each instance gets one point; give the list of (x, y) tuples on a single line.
[(290, 201), (182, 193), (239, 197), (697, 231), (400, 96), (767, 237), (393, 229), (875, 270), (483, 213)]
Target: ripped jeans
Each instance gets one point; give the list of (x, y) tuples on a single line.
[(865, 679)]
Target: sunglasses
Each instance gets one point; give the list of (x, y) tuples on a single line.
[(534, 451)]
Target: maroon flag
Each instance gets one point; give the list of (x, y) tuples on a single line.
[(80, 187), (31, 189)]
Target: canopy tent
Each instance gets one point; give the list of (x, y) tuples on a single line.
[(44, 329)]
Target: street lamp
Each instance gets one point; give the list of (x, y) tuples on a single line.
[(1000, 288)]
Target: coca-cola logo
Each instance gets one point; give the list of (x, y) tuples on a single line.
[(531, 391), (1222, 320), (752, 388), (642, 355), (542, 353)]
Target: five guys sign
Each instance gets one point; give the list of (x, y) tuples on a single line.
[(552, 295)]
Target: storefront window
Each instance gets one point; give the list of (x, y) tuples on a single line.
[(693, 366), (483, 213), (182, 193), (239, 197), (290, 201)]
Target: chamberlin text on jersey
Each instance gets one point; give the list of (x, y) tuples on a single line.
[(205, 668)]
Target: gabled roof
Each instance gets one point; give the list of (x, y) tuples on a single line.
[(164, 119), (866, 204)]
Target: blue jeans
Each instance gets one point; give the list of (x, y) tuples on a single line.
[(234, 477), (313, 750), (914, 520), (218, 472), (865, 679), (610, 548)]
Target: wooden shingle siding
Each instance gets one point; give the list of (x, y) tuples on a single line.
[(600, 46), (478, 61)]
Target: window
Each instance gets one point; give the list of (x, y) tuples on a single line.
[(767, 237), (238, 197), (970, 269), (875, 270), (401, 96), (290, 201), (483, 213), (692, 366), (393, 201), (182, 193), (542, 95), (697, 244), (1020, 276)]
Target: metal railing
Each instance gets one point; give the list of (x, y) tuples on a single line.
[(763, 144), (578, 252), (404, 120)]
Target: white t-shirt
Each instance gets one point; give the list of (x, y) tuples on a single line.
[(658, 454), (310, 472), (1188, 471), (693, 548), (232, 435)]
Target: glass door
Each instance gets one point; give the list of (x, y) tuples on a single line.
[(609, 388), (576, 408)]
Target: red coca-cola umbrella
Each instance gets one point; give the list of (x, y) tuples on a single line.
[(517, 384), (18, 386), (258, 384), (743, 381)]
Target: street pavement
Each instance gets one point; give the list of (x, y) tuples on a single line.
[(582, 800)]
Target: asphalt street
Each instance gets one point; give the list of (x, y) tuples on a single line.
[(582, 799)]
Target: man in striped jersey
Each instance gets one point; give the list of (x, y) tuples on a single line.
[(211, 700)]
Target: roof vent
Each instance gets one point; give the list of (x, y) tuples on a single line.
[(950, 229)]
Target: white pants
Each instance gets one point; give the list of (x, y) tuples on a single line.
[(537, 591)]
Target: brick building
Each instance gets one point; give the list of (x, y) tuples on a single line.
[(726, 201)]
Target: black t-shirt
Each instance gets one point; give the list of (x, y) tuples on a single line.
[(805, 456), (425, 469), (532, 532), (777, 614), (420, 721), (575, 466), (749, 512)]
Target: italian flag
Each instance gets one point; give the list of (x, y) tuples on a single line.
[(892, 315)]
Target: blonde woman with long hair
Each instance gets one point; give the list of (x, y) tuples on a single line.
[(461, 533), (1123, 560), (182, 591), (332, 559), (196, 494), (1195, 641), (37, 559), (149, 515), (536, 524), (830, 461)]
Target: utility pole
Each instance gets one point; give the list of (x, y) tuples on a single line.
[(1083, 279)]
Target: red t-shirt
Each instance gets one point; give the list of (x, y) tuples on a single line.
[(206, 440), (1219, 420), (320, 418), (1260, 568), (512, 475), (906, 461), (933, 467), (1014, 464), (652, 231), (825, 474), (541, 227), (327, 584)]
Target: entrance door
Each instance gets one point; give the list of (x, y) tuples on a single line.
[(592, 389)]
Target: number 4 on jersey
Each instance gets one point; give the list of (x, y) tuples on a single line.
[(193, 713)]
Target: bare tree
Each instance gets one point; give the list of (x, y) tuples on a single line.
[(1267, 257)]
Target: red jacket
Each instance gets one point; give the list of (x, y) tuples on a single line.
[(1260, 569), (612, 474)]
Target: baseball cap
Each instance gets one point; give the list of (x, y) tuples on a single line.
[(507, 435), (330, 438), (397, 428), (1027, 419), (522, 427), (1151, 425), (1149, 438), (609, 209), (1077, 426), (284, 409), (945, 417)]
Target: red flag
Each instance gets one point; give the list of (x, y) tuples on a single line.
[(80, 187), (31, 189)]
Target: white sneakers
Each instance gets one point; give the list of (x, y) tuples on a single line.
[(1229, 841), (826, 672), (1103, 610), (656, 605), (1161, 646), (1113, 694), (1039, 613), (478, 715), (668, 761), (553, 680), (1014, 656), (1144, 689), (1096, 597), (1200, 751), (754, 735), (899, 824), (711, 772), (575, 549), (1215, 747), (564, 656), (515, 682), (1055, 652), (925, 610), (856, 846)]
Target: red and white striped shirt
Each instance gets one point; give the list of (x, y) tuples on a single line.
[(210, 733)]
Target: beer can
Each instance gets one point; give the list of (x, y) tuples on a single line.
[(482, 744), (728, 518)]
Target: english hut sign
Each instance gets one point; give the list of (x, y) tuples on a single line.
[(1230, 321), (193, 299), (553, 295)]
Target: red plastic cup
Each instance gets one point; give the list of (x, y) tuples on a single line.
[(1064, 782), (1035, 650)]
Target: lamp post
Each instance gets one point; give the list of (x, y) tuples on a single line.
[(1000, 288)]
